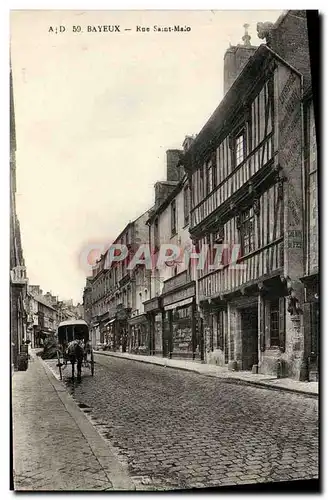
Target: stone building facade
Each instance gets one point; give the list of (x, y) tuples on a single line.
[(46, 323), (87, 301), (114, 290), (18, 276), (172, 305)]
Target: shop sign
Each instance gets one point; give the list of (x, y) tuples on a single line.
[(179, 295), (121, 314), (152, 305), (175, 282), (138, 320)]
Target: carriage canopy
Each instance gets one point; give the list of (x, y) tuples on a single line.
[(72, 330)]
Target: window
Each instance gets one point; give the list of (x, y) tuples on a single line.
[(240, 148), (186, 204), (210, 251), (210, 175), (209, 178), (173, 218), (247, 230), (156, 233), (201, 184), (274, 323)]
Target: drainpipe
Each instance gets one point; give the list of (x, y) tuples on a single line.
[(304, 369)]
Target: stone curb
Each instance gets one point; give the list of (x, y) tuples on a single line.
[(115, 471), (264, 385), (237, 380)]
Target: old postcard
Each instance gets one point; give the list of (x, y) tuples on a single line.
[(164, 250)]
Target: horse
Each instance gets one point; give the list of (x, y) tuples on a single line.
[(76, 354)]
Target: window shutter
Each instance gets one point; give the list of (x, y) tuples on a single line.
[(282, 324)]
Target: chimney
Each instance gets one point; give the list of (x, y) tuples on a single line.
[(162, 191), (173, 172), (235, 59)]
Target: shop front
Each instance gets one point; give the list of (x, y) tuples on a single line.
[(103, 323), (36, 339), (154, 314), (95, 333), (110, 333), (122, 329), (44, 335), (179, 318), (139, 338)]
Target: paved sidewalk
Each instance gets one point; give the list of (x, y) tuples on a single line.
[(55, 447), (287, 384)]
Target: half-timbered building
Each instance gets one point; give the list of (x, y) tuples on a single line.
[(245, 169)]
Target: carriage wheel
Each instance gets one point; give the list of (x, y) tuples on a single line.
[(59, 364), (92, 363)]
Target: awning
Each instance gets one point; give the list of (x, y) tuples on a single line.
[(110, 322), (142, 318), (179, 304)]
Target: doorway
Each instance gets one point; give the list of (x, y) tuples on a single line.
[(249, 332), (167, 334)]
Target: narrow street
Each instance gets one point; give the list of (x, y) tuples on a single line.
[(176, 429)]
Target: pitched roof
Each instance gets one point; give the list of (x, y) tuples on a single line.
[(43, 301), (218, 124)]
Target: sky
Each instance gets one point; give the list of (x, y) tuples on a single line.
[(95, 114)]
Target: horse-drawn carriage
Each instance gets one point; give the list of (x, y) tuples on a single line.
[(74, 345)]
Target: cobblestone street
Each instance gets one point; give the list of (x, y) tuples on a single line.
[(54, 446), (176, 429)]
